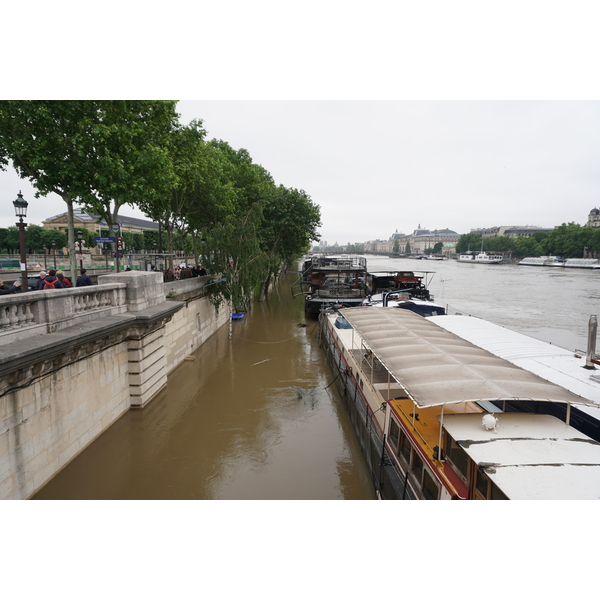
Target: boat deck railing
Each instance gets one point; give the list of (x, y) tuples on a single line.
[(338, 292)]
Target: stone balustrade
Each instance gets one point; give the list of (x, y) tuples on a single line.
[(29, 314)]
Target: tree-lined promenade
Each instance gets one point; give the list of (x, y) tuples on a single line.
[(210, 199)]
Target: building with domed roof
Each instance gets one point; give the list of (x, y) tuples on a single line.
[(417, 242), (594, 218)]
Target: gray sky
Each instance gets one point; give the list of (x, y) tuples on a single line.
[(377, 166), (329, 99)]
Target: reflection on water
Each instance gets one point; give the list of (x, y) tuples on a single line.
[(250, 418)]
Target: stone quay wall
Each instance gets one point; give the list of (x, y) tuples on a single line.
[(72, 361)]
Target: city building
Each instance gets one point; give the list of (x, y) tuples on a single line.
[(594, 218), (422, 239), (95, 224), (511, 231)]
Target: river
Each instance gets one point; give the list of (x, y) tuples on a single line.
[(252, 417), (255, 417)]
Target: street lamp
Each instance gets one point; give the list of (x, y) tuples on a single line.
[(21, 211), (80, 242), (54, 251), (45, 266)]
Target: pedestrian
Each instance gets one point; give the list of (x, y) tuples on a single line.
[(64, 280), (83, 279), (202, 272), (4, 289), (40, 284), (51, 281)]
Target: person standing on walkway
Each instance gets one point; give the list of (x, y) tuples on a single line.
[(40, 283), (51, 281), (83, 279)]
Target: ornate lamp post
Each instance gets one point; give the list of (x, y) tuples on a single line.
[(54, 252), (21, 211), (45, 266), (80, 242)]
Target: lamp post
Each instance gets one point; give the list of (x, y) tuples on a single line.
[(45, 266), (54, 252), (80, 242), (21, 211)]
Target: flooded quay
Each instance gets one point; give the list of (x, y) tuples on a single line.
[(252, 417)]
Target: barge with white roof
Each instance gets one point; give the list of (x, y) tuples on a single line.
[(428, 409)]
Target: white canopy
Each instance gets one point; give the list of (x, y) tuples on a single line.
[(438, 367)]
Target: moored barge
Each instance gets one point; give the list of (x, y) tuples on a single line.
[(328, 281), (426, 406)]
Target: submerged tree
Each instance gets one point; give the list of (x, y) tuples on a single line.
[(290, 222)]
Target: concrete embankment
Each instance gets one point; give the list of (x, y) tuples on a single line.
[(73, 361)]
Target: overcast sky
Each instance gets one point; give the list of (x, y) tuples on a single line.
[(375, 167), (508, 133)]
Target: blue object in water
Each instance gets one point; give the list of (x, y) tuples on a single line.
[(237, 316)]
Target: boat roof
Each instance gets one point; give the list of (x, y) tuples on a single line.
[(553, 363), (436, 366), (521, 453)]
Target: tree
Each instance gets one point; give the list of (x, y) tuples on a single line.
[(130, 147), (45, 143), (468, 242), (290, 222), (201, 195), (99, 153)]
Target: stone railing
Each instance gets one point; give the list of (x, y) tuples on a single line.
[(28, 314)]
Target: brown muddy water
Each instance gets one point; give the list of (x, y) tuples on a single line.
[(250, 418)]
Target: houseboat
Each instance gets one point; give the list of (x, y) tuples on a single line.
[(328, 281), (428, 410), (541, 261), (481, 258)]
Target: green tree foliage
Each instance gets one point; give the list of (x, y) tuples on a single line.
[(468, 242), (233, 252), (101, 153), (290, 222), (567, 241)]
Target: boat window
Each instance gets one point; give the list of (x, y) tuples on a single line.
[(457, 457), (481, 483), (417, 467), (405, 448), (394, 435), (430, 487), (497, 493)]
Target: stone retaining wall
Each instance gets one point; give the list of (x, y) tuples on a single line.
[(67, 375)]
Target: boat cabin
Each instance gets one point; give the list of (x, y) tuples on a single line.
[(435, 400)]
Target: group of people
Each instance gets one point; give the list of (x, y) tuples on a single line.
[(184, 272), (48, 281)]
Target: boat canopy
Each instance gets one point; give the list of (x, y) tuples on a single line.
[(437, 367)]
